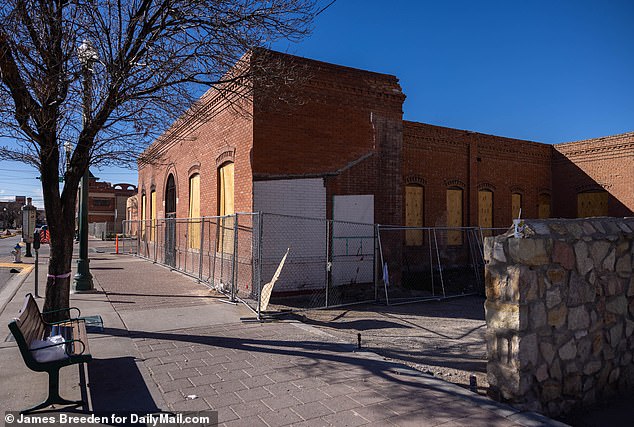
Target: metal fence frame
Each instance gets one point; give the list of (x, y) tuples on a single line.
[(237, 255), (468, 240)]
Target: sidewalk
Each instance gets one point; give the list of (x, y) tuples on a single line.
[(170, 344)]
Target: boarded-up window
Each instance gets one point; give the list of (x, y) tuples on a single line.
[(454, 215), (592, 203), (516, 205), (226, 207), (225, 180), (543, 206), (194, 212), (414, 195), (485, 211), (152, 215), (485, 208), (143, 218)]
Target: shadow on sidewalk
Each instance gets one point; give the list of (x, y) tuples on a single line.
[(312, 354), (117, 385)]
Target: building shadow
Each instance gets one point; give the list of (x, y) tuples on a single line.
[(569, 180), (115, 384)]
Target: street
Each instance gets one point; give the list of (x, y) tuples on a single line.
[(6, 246)]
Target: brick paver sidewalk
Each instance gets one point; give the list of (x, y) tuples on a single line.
[(198, 356), (281, 373)]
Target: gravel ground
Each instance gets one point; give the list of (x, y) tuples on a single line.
[(441, 338)]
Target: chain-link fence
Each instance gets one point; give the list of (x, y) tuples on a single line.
[(321, 263), (218, 251), (275, 263), (420, 263), (102, 230), (107, 229), (328, 263)]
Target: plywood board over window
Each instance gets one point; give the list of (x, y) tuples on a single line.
[(226, 197), (543, 206), (414, 195), (143, 218), (454, 215), (516, 205), (226, 206), (592, 203), (194, 212), (485, 208), (152, 215), (485, 211)]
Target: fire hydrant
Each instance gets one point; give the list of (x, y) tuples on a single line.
[(17, 253)]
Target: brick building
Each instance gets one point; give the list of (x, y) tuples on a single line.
[(347, 143), (344, 153), (107, 202)]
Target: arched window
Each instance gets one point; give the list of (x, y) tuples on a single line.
[(592, 203), (170, 197), (414, 203), (194, 211), (454, 215)]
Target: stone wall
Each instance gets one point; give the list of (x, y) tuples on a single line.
[(560, 313)]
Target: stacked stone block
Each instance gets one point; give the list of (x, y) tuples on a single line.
[(560, 313)]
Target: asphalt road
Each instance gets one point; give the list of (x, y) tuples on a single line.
[(6, 246)]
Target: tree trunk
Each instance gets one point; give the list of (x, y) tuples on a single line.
[(60, 217), (59, 267)]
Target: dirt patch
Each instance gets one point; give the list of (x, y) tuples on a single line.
[(442, 338)]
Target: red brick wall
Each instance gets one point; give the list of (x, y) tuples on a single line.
[(345, 126), (437, 158), (201, 146), (104, 191), (602, 163)]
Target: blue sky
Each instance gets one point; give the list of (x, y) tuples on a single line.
[(547, 71)]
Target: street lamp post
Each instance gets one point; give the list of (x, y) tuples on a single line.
[(83, 279)]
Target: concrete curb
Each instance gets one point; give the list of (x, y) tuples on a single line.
[(12, 287)]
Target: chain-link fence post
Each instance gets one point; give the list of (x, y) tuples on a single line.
[(215, 252), (234, 263), (328, 260), (375, 270), (200, 249), (257, 274)]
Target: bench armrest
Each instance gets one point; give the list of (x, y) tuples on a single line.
[(73, 319), (83, 347), (63, 309)]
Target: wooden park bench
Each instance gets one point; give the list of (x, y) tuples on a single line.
[(30, 330)]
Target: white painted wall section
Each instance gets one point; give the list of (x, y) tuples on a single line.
[(296, 211)]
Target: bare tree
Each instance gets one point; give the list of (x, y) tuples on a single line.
[(151, 59)]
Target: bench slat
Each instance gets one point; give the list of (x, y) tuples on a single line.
[(31, 325)]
